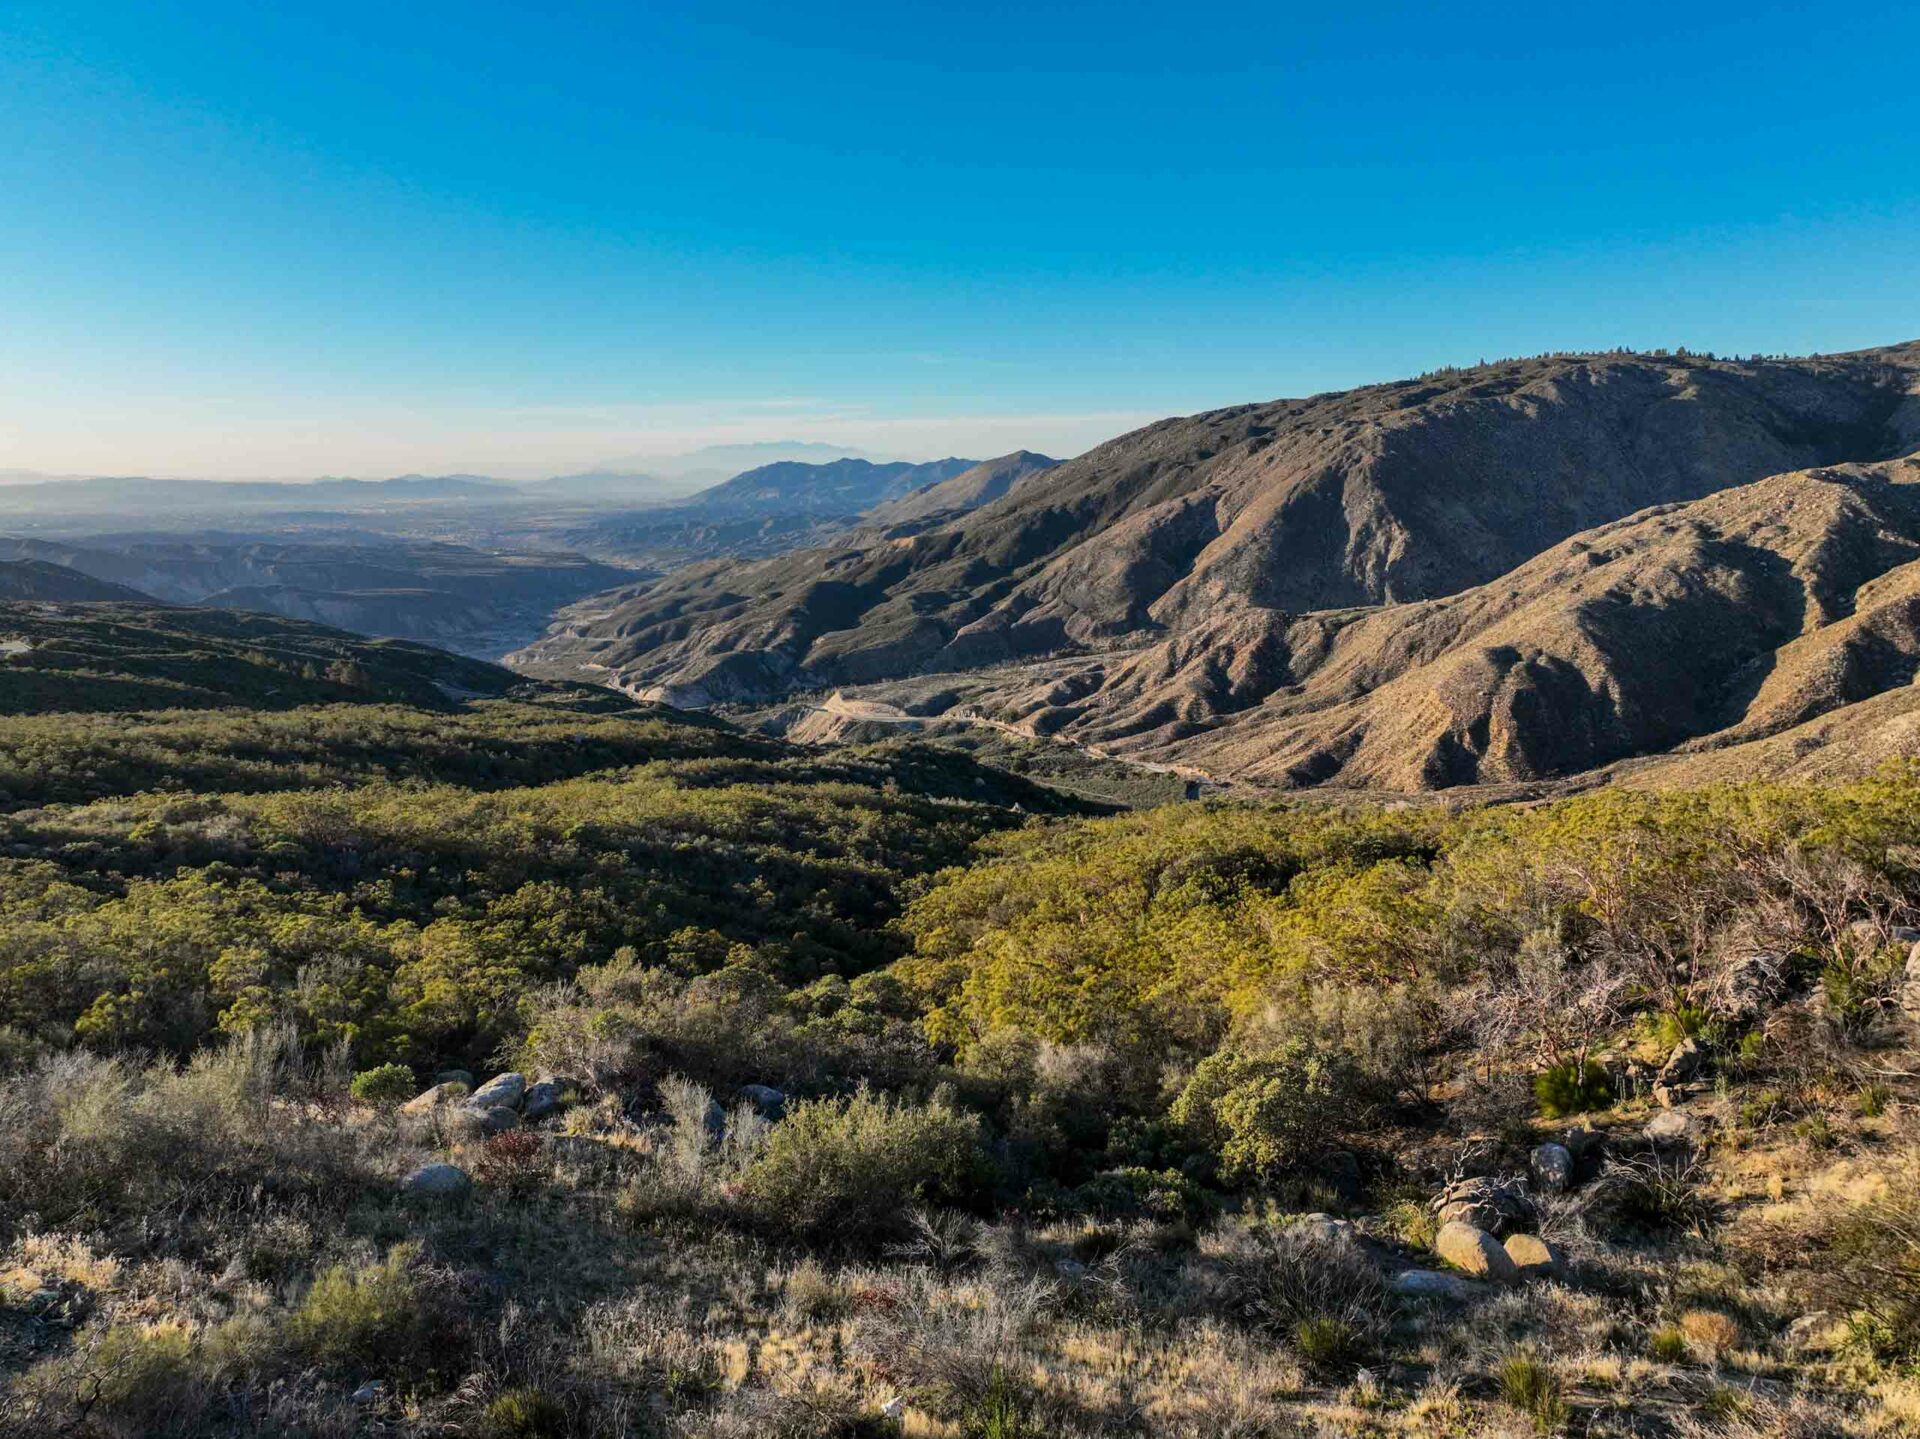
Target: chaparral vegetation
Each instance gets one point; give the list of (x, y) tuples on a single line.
[(541, 1065)]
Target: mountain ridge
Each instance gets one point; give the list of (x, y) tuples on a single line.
[(1383, 495)]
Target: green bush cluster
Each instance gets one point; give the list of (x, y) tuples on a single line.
[(384, 1086), (1572, 1088), (1262, 1113), (856, 1166)]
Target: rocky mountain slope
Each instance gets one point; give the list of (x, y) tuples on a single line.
[(840, 487), (1244, 519), (777, 507), (968, 490), (1724, 620)]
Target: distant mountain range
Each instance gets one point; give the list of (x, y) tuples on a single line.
[(787, 504), (1456, 579), (670, 480), (459, 598)]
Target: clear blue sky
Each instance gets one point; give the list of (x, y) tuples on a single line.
[(298, 238)]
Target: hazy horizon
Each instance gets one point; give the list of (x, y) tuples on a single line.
[(283, 242)]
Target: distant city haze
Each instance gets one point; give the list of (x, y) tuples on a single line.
[(247, 241)]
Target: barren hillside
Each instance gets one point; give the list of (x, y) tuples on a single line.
[(1273, 562)]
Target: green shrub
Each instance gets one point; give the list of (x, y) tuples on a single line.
[(1138, 1193), (1412, 1222), (384, 1086), (1328, 1345), (358, 1315), (1569, 1089), (1261, 1113), (524, 1413), (1667, 1345), (1681, 1022), (1530, 1386), (841, 1167), (1002, 1412)]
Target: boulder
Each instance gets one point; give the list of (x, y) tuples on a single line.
[(1552, 1167), (1686, 1061), (1672, 1096), (1749, 988), (716, 1121), (1433, 1284), (436, 1181), (439, 1097), (1499, 1206), (1675, 1127), (471, 1121), (455, 1076), (1534, 1257), (505, 1090), (1584, 1142), (541, 1100), (767, 1102), (1474, 1252), (498, 1119), (1810, 1333), (1910, 983)]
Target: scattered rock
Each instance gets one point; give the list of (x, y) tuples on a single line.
[(440, 1096), (1810, 1332), (1432, 1284), (1323, 1227), (370, 1392), (505, 1090), (1552, 1167), (1340, 1170), (1534, 1257), (1584, 1142), (893, 1408), (436, 1181), (1672, 1096), (768, 1102), (1686, 1061), (1676, 1126), (541, 1100), (1070, 1269), (1499, 1206), (468, 1121), (1910, 983), (716, 1121), (1749, 988), (1474, 1252), (1629, 1076)]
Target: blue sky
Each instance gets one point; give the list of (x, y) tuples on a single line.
[(245, 239)]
